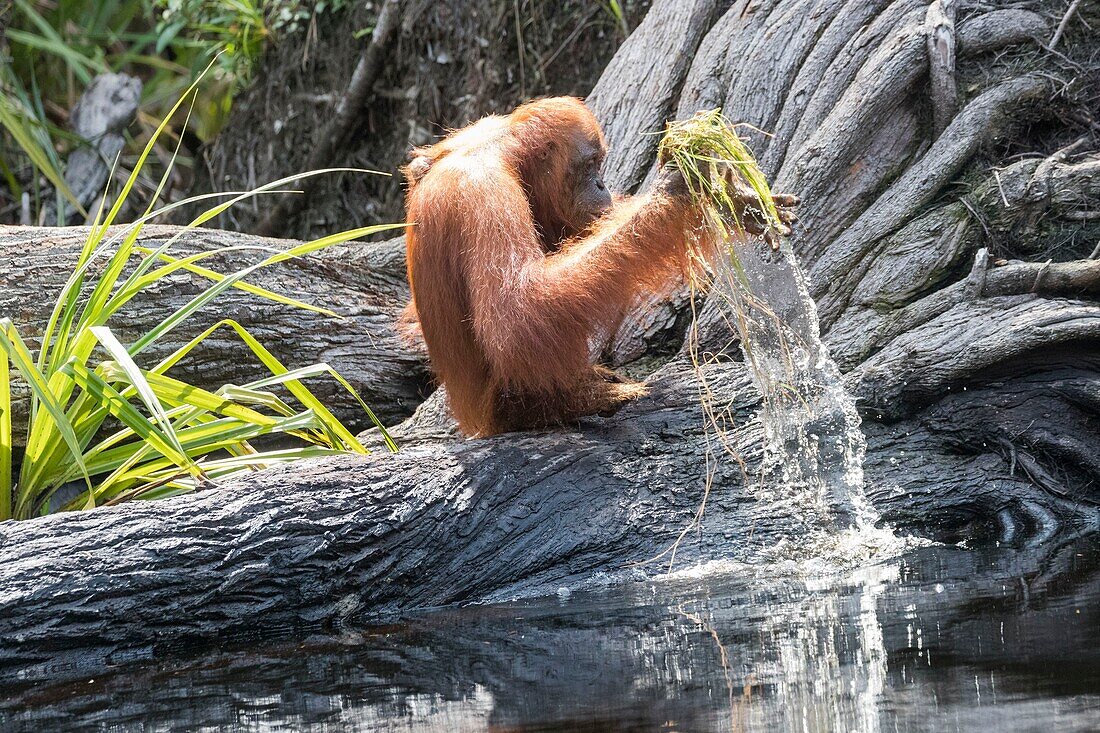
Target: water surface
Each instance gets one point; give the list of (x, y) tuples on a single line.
[(940, 639)]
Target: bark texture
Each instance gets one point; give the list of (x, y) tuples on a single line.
[(978, 371)]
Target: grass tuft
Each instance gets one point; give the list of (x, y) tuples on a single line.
[(705, 149), (102, 427), (702, 148)]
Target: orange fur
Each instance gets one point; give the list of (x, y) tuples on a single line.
[(510, 279)]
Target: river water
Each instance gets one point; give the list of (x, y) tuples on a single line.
[(940, 638)]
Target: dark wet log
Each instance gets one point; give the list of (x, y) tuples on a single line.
[(455, 521), (363, 283)]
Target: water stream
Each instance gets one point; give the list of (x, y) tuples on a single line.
[(814, 448)]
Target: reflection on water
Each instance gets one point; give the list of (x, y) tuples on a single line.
[(944, 639)]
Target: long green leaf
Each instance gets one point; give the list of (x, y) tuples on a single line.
[(82, 66), (128, 465), (296, 388), (94, 247), (320, 369), (187, 264), (13, 121), (20, 356), (67, 300), (125, 192), (127, 291), (175, 392), (6, 444), (214, 290), (115, 348), (125, 412)]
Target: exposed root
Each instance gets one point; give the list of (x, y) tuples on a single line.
[(999, 29), (924, 361), (940, 22), (881, 85), (858, 336), (974, 283), (1064, 24), (827, 72), (1051, 279), (834, 274)]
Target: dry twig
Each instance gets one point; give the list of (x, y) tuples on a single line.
[(325, 153)]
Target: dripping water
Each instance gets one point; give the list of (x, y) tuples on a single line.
[(814, 447)]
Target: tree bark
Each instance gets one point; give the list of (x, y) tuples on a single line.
[(978, 374)]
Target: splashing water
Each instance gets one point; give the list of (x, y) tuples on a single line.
[(814, 448)]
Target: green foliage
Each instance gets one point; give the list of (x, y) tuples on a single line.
[(704, 148), (122, 430), (615, 10), (287, 17), (30, 132), (57, 46), (232, 33)]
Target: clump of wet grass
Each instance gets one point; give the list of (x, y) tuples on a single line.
[(727, 185), (703, 148)]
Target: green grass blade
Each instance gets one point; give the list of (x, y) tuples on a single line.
[(177, 393), (145, 392), (216, 210), (222, 434), (266, 458), (296, 388), (75, 60), (6, 443), (65, 306), (268, 188), (125, 192), (214, 290), (187, 264), (37, 448), (14, 121), (125, 412), (81, 66), (323, 369), (257, 398), (151, 257), (95, 246)]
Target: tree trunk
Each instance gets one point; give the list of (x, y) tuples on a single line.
[(978, 374)]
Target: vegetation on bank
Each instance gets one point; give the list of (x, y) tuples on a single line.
[(100, 427), (52, 49)]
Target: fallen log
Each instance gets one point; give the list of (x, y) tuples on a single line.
[(363, 283)]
